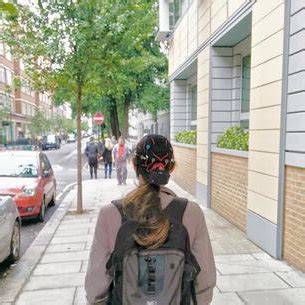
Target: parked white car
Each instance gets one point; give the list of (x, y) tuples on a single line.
[(71, 138), (9, 230)]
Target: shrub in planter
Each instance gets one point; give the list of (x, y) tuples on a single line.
[(234, 138), (187, 137)]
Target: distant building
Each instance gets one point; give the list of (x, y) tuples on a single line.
[(242, 63), (21, 102), (142, 124)]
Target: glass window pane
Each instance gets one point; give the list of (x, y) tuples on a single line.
[(8, 53), (194, 103), (2, 74), (246, 69), (244, 124), (2, 48), (177, 9)]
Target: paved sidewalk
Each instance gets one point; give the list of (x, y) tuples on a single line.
[(56, 263)]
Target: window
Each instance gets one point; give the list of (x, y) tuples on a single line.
[(245, 91), (3, 100), (194, 105), (6, 101), (9, 77), (8, 53), (2, 74), (2, 48), (176, 9), (23, 108), (22, 67), (174, 12)]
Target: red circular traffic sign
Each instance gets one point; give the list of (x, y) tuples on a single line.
[(99, 118)]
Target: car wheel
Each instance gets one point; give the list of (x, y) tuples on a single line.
[(42, 212), (53, 200), (15, 244)]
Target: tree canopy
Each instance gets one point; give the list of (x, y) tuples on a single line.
[(95, 54)]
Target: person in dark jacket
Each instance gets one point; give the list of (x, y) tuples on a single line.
[(107, 157), (92, 153)]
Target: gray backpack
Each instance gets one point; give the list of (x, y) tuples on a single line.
[(165, 276)]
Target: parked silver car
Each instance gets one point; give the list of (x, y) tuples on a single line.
[(9, 230)]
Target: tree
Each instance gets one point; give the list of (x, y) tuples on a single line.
[(91, 53), (153, 98), (131, 61), (8, 9), (142, 64), (39, 124), (4, 119), (58, 41)]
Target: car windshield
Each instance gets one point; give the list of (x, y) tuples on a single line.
[(51, 139), (18, 166)]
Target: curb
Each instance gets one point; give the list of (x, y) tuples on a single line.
[(12, 285)]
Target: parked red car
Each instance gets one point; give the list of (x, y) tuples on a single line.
[(28, 177)]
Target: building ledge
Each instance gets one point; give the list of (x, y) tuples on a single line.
[(231, 152), (184, 145)]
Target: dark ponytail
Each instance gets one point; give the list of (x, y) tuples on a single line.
[(144, 202)]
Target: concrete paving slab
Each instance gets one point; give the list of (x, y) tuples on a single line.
[(80, 296), (246, 282), (234, 258), (262, 256), (230, 245), (84, 266), (55, 281), (65, 257), (65, 248), (295, 296), (65, 233), (76, 220), (57, 268), (251, 266), (226, 299), (71, 239), (62, 296), (293, 278), (77, 226)]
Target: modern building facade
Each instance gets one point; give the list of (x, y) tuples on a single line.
[(242, 62)]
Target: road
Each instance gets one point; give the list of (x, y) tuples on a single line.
[(64, 163)]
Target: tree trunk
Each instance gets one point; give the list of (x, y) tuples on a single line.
[(155, 119), (114, 118), (156, 126), (79, 149), (127, 102)]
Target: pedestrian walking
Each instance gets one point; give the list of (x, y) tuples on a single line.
[(101, 148), (151, 247), (92, 155), (113, 140), (107, 157), (120, 154)]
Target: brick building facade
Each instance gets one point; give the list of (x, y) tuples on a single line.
[(20, 102), (241, 63)]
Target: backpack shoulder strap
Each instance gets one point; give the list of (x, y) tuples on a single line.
[(118, 205), (176, 208)]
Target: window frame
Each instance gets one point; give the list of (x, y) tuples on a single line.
[(191, 83), (244, 116)]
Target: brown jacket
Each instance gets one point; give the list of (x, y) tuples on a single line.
[(97, 280)]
